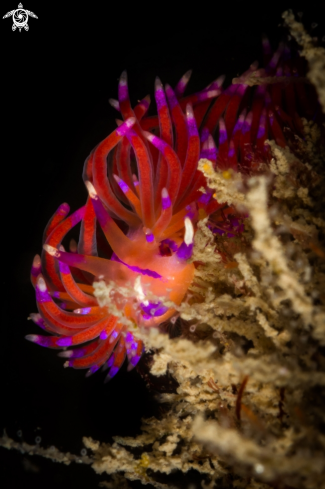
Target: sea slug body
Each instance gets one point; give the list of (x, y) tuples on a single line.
[(145, 195)]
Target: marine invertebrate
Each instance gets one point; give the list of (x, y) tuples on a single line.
[(274, 301), (151, 185), (157, 203)]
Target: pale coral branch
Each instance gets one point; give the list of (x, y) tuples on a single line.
[(315, 55)]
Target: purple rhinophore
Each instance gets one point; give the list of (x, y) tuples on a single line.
[(153, 309), (42, 296), (166, 202), (134, 346), (185, 251), (172, 100), (67, 341)]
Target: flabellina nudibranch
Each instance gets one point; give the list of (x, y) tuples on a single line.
[(145, 194)]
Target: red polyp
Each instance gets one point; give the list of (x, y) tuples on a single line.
[(145, 199)]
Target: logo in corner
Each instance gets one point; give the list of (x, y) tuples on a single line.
[(20, 18)]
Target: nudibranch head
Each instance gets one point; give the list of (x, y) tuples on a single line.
[(146, 195)]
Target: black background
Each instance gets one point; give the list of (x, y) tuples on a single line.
[(56, 80)]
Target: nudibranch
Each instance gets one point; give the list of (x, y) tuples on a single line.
[(146, 196)]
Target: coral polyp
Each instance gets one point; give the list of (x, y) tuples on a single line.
[(146, 195)]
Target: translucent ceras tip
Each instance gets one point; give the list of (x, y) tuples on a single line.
[(158, 84), (220, 80), (123, 78), (123, 87), (66, 354), (189, 231), (91, 190), (191, 123), (34, 338), (51, 250), (165, 200), (182, 84), (114, 103), (189, 111), (41, 285), (149, 136), (36, 266)]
